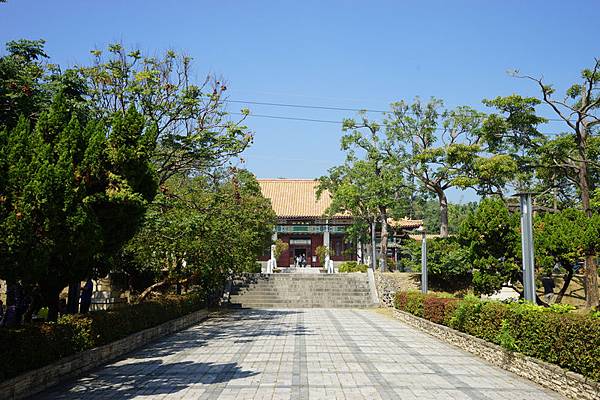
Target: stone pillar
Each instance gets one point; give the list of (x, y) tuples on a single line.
[(326, 241)]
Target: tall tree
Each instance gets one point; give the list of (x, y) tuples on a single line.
[(370, 187), (562, 239), (436, 146), (23, 79), (510, 137), (491, 234), (202, 231), (72, 192), (194, 130), (579, 110)]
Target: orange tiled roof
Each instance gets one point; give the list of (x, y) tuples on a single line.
[(405, 223), (295, 197)]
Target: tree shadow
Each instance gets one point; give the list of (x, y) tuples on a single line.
[(144, 373), (146, 378), (231, 326)]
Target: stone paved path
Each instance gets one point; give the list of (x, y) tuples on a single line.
[(300, 354)]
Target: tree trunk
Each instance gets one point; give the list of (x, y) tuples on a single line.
[(51, 298), (363, 250), (443, 213), (591, 281), (565, 286), (384, 238), (73, 297)]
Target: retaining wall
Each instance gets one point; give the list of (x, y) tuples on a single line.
[(388, 283)]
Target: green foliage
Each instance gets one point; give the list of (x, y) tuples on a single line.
[(194, 131), (554, 335), (73, 191), (322, 252), (438, 162), (505, 339), (280, 248), (414, 303), (370, 188), (447, 260), (23, 82), (491, 235), (559, 238), (352, 266), (35, 345), (429, 211), (203, 231)]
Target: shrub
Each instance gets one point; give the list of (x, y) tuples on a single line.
[(352, 266), (400, 300), (466, 314), (489, 322), (414, 303), (35, 345), (434, 308)]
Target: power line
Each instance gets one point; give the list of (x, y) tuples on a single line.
[(328, 121), (334, 108), (306, 106), (289, 118)]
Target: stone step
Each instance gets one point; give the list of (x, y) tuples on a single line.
[(278, 305), (302, 291)]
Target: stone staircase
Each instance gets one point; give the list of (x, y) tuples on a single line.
[(302, 291)]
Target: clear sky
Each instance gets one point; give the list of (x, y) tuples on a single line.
[(352, 54)]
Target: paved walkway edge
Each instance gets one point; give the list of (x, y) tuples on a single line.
[(35, 381), (567, 383)]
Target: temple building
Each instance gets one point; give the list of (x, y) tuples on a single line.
[(302, 224)]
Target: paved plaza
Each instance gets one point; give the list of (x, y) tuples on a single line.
[(300, 354)]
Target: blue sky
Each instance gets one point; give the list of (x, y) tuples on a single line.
[(329, 53)]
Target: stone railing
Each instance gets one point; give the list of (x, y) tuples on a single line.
[(388, 283), (35, 381), (567, 383)]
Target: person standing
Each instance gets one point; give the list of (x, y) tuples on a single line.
[(548, 283), (86, 296)]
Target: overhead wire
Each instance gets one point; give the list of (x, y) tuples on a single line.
[(316, 120), (317, 107)]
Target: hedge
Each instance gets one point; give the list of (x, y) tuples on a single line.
[(553, 334), (32, 346), (352, 266)]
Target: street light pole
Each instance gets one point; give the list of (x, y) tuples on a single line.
[(373, 247), (527, 246), (424, 282)]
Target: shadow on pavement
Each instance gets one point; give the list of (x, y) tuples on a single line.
[(146, 378), (229, 326), (143, 372)]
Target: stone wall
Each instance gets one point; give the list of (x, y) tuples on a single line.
[(388, 283), (33, 382), (567, 383)]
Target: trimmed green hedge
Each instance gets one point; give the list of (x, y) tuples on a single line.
[(352, 266), (35, 345), (552, 334)]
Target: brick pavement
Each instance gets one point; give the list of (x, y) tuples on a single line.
[(300, 354)]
